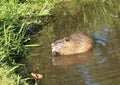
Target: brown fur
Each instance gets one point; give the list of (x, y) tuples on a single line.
[(74, 44)]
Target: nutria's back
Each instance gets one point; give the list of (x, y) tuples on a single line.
[(74, 44)]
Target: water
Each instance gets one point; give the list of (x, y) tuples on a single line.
[(100, 66)]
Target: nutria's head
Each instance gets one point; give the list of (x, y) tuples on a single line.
[(59, 45), (74, 44)]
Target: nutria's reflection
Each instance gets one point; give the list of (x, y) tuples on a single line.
[(71, 59)]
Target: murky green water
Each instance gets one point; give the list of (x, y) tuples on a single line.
[(100, 66)]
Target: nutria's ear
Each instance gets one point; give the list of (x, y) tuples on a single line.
[(67, 39)]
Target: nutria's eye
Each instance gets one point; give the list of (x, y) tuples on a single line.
[(67, 39)]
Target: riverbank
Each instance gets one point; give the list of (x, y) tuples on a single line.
[(18, 18)]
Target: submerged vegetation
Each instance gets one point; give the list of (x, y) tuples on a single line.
[(93, 12), (18, 19)]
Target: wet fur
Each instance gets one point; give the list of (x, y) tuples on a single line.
[(74, 44)]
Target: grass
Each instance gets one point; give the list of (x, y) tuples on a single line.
[(15, 16), (9, 77)]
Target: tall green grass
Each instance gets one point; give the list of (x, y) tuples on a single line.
[(11, 48), (9, 77), (14, 16), (15, 12)]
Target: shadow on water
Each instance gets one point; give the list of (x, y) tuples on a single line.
[(100, 66)]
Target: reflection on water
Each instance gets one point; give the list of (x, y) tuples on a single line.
[(71, 59), (100, 66)]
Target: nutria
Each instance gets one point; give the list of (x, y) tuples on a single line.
[(76, 43)]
